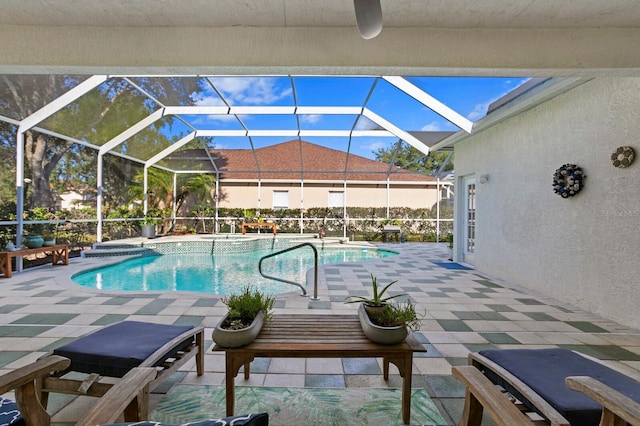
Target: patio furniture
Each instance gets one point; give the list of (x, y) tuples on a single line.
[(116, 349), (123, 400), (390, 230), (59, 256), (246, 225), (319, 336), (535, 378), (617, 408)]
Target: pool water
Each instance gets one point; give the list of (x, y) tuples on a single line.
[(220, 274)]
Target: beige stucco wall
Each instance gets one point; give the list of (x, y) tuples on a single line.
[(582, 250), (245, 195)]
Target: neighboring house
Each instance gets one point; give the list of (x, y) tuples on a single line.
[(71, 200), (299, 174), (511, 225)]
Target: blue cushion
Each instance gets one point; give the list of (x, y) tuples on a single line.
[(544, 371), (261, 419), (9, 414), (116, 349)]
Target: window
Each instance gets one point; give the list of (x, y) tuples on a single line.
[(336, 199), (280, 200)]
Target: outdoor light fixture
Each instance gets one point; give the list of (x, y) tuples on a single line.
[(484, 178), (368, 17)]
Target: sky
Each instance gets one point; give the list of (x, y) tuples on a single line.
[(468, 96)]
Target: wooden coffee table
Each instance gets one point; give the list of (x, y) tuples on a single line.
[(320, 336)]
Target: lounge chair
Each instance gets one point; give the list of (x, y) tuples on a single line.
[(114, 350), (119, 402), (535, 380)]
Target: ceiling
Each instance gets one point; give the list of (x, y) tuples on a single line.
[(324, 13), (538, 38)]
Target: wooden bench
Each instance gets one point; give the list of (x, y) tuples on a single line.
[(59, 256), (258, 225)]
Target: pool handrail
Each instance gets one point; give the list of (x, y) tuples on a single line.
[(315, 269)]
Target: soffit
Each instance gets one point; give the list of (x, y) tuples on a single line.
[(325, 13)]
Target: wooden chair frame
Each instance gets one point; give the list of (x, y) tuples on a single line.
[(128, 399), (482, 394)]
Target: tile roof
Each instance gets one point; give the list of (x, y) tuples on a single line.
[(289, 160)]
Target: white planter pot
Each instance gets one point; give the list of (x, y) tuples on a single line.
[(148, 231), (236, 338), (378, 334)]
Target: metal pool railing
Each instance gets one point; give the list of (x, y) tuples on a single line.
[(315, 269)]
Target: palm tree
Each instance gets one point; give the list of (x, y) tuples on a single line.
[(198, 188)]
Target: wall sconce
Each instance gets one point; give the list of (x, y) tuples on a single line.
[(484, 179)]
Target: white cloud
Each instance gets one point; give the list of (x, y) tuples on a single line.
[(310, 118), (209, 100), (373, 146), (251, 90), (480, 110), (434, 126)]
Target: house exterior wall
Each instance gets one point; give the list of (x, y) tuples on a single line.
[(582, 250), (245, 195)]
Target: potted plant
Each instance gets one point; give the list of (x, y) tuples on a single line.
[(450, 242), (247, 313), (49, 239), (383, 321), (148, 226), (390, 324), (377, 300)]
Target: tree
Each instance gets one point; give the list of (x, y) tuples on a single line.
[(96, 117), (160, 182), (407, 157), (24, 95)]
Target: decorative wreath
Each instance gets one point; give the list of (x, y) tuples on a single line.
[(622, 157), (568, 180)]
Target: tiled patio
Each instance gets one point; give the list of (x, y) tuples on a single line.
[(464, 311)]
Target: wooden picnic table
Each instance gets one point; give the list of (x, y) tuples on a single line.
[(246, 225), (320, 336), (59, 256)]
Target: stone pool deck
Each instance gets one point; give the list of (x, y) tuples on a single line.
[(463, 311)]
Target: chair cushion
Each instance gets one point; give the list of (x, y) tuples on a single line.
[(261, 419), (544, 371), (116, 349), (9, 414)]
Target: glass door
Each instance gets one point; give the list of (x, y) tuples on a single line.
[(469, 221)]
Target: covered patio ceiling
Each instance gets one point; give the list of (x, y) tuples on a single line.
[(540, 38)]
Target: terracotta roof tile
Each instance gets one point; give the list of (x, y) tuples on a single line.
[(288, 160)]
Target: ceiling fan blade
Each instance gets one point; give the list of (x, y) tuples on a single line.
[(368, 17)]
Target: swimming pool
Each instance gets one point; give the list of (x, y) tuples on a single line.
[(217, 274)]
